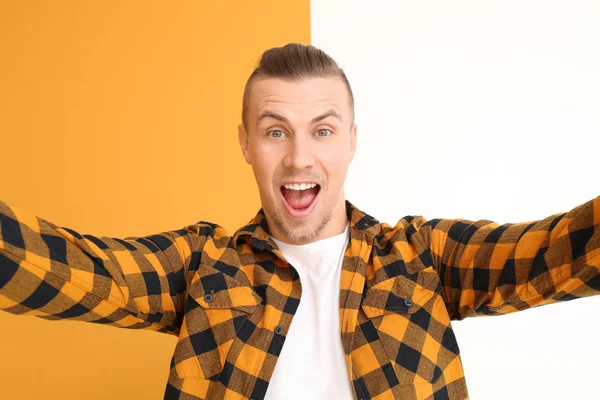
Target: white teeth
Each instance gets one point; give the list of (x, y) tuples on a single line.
[(299, 186)]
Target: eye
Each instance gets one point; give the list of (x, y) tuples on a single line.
[(276, 133), (323, 132)]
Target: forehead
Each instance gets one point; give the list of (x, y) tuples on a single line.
[(305, 96)]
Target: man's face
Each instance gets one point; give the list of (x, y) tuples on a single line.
[(299, 140)]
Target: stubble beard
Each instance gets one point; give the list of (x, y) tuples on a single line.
[(294, 234)]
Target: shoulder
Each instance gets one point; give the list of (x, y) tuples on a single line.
[(404, 230)]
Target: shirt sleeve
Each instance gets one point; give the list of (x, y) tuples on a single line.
[(57, 273), (491, 269)]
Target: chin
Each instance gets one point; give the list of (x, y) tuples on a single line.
[(302, 235)]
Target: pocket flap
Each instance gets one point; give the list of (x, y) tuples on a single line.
[(400, 294), (213, 289)]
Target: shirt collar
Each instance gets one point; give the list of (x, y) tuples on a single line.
[(256, 232)]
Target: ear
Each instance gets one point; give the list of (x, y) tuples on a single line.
[(352, 141), (243, 139)]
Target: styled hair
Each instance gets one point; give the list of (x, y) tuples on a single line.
[(291, 62)]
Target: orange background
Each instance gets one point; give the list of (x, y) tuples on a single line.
[(119, 119)]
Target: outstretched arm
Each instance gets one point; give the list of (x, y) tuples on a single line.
[(56, 273), (491, 269)]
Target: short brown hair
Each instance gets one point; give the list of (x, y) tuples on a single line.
[(295, 61)]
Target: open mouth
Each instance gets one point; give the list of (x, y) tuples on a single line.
[(300, 198)]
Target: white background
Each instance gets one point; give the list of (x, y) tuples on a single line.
[(481, 109)]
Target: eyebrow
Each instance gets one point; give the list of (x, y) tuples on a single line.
[(330, 113), (274, 115)]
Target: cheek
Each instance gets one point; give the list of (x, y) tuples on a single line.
[(335, 163), (262, 174), (264, 168)]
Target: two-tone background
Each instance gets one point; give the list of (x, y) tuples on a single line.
[(119, 118)]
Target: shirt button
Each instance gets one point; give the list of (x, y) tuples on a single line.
[(208, 298), (279, 329), (408, 302)]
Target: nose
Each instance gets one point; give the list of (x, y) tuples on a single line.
[(300, 154)]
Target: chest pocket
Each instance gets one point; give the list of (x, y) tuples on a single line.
[(411, 323), (216, 310)]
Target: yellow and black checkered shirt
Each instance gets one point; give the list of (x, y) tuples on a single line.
[(230, 300)]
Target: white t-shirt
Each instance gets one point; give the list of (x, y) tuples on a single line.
[(311, 364)]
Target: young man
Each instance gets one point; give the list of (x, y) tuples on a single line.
[(313, 299)]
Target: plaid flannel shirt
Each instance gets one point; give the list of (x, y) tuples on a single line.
[(230, 300)]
